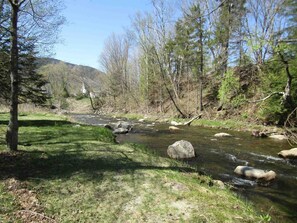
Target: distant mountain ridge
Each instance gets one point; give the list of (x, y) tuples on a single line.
[(77, 76), (47, 60)]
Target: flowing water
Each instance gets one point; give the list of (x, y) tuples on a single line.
[(218, 157)]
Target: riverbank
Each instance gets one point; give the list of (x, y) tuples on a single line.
[(228, 124), (83, 106), (67, 172)]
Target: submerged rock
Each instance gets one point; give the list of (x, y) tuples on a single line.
[(290, 154), (251, 172), (222, 134), (243, 182), (279, 137), (180, 150)]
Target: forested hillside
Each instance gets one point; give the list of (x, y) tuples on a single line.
[(218, 58)]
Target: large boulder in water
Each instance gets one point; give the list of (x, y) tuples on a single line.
[(180, 150), (290, 154), (251, 172)]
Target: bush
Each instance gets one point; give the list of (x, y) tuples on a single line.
[(271, 111), (229, 88)]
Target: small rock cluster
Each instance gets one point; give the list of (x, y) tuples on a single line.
[(121, 127)]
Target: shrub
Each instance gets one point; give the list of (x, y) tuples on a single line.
[(229, 88)]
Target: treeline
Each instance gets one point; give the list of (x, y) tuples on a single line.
[(192, 57)]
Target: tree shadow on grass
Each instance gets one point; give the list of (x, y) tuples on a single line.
[(39, 123), (37, 164)]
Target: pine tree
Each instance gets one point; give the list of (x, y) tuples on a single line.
[(189, 46), (31, 83), (229, 27)]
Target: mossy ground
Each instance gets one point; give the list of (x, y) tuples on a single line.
[(66, 172)]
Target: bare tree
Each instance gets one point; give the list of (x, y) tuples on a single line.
[(114, 61), (263, 25)]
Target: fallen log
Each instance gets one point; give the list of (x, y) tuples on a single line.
[(192, 119)]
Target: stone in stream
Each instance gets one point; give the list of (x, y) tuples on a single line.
[(173, 128), (180, 150), (174, 123), (290, 154), (222, 134), (259, 134), (124, 125), (279, 137), (251, 172)]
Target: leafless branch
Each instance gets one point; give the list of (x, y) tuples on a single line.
[(267, 97)]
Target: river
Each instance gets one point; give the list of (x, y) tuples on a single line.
[(218, 157)]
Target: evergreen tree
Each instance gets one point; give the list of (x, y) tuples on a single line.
[(31, 83), (229, 27), (188, 47)]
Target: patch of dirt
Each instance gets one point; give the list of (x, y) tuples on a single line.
[(30, 208), (176, 186), (182, 208)]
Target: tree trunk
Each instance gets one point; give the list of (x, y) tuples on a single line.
[(201, 67), (13, 126), (287, 97), (226, 39)]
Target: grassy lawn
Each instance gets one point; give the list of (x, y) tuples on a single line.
[(73, 173)]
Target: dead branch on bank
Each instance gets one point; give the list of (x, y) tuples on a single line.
[(192, 119), (267, 97)]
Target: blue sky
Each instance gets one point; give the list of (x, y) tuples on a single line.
[(89, 23)]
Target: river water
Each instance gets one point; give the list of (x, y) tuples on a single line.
[(218, 157)]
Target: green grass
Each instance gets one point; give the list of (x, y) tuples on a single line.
[(78, 174)]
